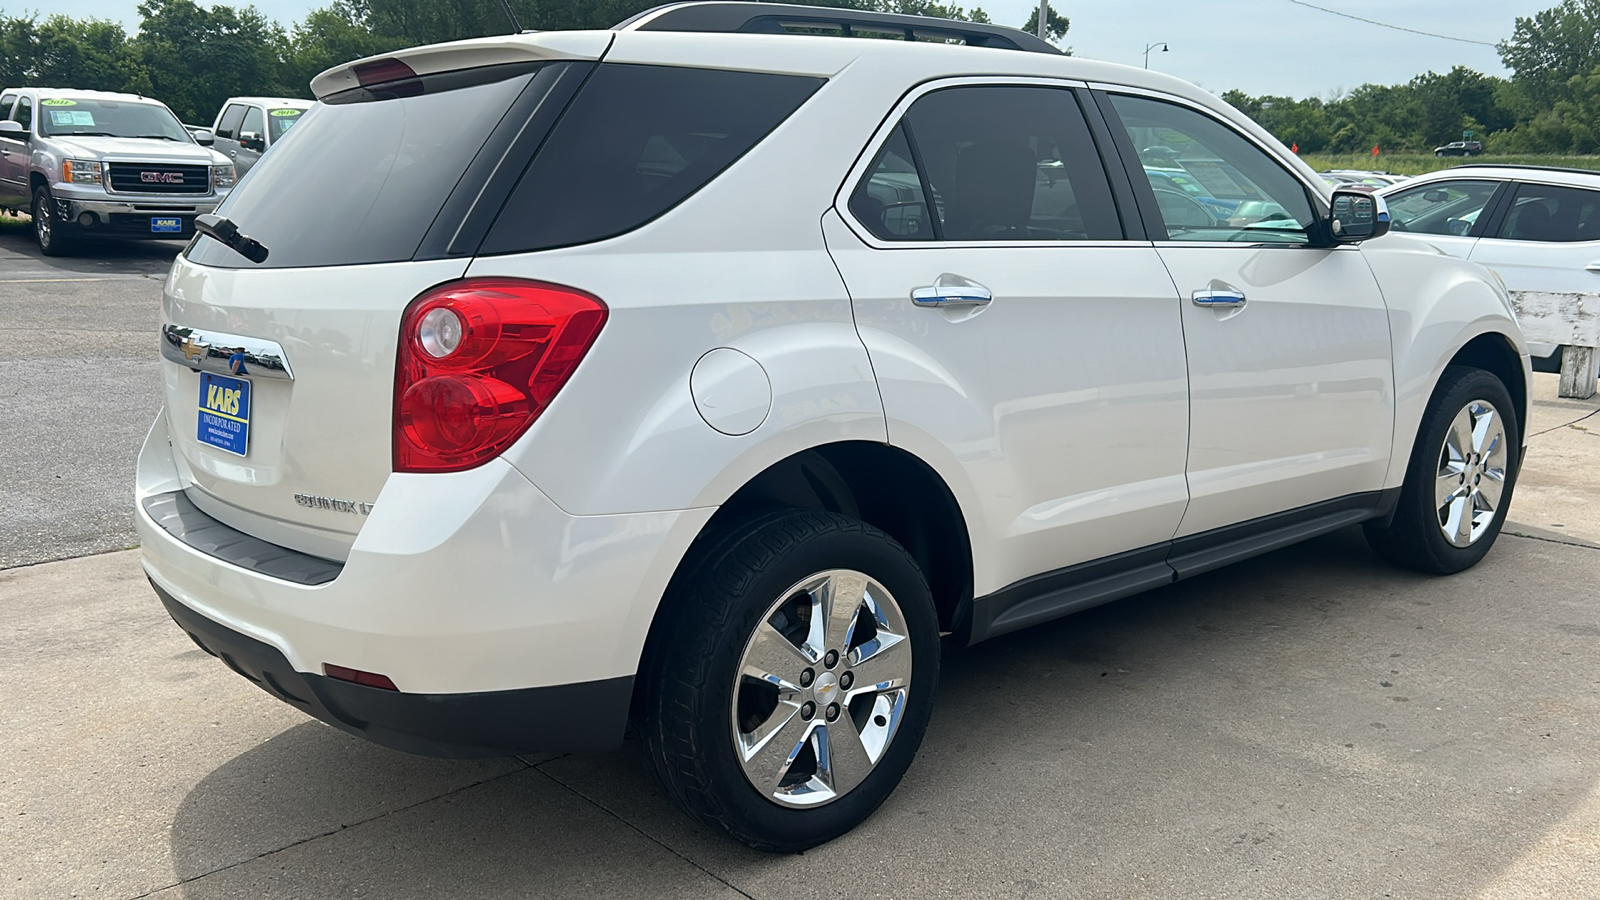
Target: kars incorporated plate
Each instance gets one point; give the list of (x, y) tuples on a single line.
[(225, 412), (166, 225)]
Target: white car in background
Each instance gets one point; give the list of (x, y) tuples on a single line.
[(701, 375), (1538, 227)]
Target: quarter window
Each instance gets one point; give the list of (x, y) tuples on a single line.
[(989, 163), (1210, 182), (1543, 212), (1440, 207)]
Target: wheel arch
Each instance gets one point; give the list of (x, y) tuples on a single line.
[(882, 485), (1494, 353)]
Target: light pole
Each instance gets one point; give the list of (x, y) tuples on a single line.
[(1044, 16), (1147, 49)]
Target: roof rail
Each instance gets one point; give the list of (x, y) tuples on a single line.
[(772, 18), (1523, 166)]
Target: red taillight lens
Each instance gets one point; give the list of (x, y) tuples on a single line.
[(460, 401)]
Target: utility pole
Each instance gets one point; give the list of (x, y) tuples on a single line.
[(1044, 17)]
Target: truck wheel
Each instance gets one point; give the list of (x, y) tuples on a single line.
[(788, 689), (1460, 479), (47, 230)]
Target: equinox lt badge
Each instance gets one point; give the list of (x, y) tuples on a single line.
[(350, 506)]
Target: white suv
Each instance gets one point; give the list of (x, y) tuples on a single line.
[(707, 377)]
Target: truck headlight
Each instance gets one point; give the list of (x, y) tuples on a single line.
[(81, 171), (222, 177)]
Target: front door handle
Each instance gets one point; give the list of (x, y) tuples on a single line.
[(952, 290), (1218, 299), (1593, 267)]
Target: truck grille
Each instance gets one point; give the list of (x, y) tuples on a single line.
[(153, 178)]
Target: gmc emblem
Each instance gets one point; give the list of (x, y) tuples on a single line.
[(162, 177)]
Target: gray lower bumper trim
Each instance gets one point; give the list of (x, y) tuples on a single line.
[(183, 520)]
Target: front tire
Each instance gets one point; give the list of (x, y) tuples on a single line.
[(1460, 478), (50, 234), (788, 686)]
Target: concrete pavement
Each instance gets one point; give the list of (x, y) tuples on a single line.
[(79, 387), (1310, 724)]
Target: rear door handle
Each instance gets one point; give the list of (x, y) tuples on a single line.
[(952, 290), (1218, 299)]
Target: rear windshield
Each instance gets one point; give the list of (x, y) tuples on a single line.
[(361, 181), (636, 142)]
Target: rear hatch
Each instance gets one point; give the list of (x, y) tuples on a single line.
[(279, 375)]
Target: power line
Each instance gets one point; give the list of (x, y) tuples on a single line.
[(1443, 37)]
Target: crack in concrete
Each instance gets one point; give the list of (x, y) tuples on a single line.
[(318, 837), (642, 833), (1549, 540)]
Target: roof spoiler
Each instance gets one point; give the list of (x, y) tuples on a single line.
[(433, 58)]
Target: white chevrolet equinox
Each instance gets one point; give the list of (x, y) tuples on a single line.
[(705, 377)]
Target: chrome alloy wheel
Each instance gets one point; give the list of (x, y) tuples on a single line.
[(821, 688), (41, 221), (1472, 473)]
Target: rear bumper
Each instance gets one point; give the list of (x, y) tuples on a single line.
[(577, 717), (505, 623)]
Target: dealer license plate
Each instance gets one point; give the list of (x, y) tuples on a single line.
[(225, 412), (166, 224)]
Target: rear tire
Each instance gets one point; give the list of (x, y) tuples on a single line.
[(785, 760), (50, 233), (1460, 479)]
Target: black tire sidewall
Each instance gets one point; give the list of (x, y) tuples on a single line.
[(59, 240), (1458, 387), (734, 803)]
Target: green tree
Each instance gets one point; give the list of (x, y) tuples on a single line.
[(197, 57), (1548, 49), (1055, 24)]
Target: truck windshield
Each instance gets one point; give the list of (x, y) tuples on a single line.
[(64, 117), (281, 120)]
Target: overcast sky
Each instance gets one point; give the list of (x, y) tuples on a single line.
[(1259, 46)]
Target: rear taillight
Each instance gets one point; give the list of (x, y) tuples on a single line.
[(479, 360)]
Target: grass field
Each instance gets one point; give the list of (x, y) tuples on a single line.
[(1420, 163)]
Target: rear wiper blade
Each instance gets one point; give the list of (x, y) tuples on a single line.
[(222, 230)]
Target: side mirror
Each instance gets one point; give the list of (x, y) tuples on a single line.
[(1358, 216), (204, 138), (252, 141), (13, 130)]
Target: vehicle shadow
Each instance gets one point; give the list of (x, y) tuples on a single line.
[(93, 257), (1311, 723)]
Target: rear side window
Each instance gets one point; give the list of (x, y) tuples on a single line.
[(228, 127), (1545, 212), (364, 181), (25, 113), (997, 163), (636, 142), (254, 123)]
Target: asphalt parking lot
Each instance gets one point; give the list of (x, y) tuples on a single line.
[(1308, 724)]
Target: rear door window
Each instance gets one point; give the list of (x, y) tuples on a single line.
[(24, 113), (371, 173), (636, 142), (1546, 212), (997, 163), (1441, 207), (228, 126)]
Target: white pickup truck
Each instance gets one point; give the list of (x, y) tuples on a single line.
[(92, 163)]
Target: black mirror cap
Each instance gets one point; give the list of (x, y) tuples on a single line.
[(1357, 215)]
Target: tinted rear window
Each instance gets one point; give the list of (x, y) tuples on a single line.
[(360, 182), (636, 142)]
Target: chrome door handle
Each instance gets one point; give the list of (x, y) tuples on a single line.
[(1218, 299), (1593, 267), (952, 290)]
